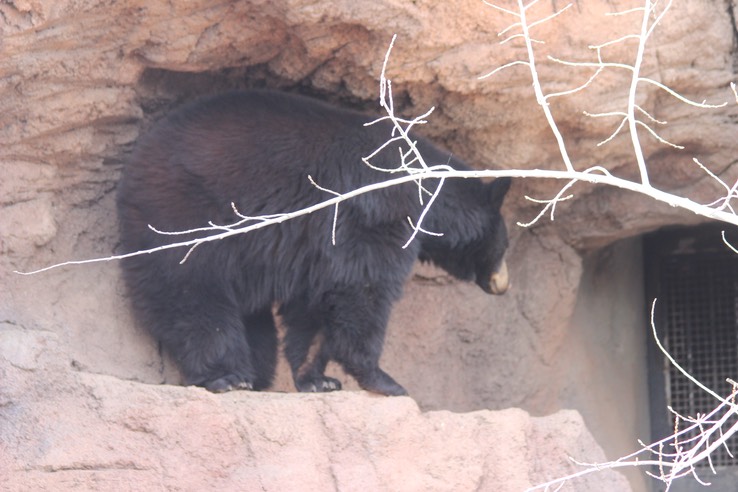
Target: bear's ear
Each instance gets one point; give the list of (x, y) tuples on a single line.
[(496, 191)]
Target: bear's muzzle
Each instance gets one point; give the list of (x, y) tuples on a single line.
[(498, 282)]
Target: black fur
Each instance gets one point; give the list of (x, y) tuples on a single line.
[(256, 149)]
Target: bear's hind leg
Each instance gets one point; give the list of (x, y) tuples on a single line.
[(305, 349), (206, 337), (217, 358)]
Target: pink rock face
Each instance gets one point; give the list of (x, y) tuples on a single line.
[(66, 430)]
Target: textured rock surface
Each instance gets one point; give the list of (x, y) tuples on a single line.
[(67, 430), (80, 79)]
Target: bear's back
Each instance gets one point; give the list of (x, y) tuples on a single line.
[(255, 149)]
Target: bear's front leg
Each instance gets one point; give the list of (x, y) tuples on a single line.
[(355, 324), (305, 348), (308, 360)]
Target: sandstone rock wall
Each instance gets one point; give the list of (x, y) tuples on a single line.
[(79, 81)]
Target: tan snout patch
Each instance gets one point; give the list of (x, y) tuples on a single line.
[(499, 282)]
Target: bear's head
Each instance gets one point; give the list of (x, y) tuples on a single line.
[(477, 252)]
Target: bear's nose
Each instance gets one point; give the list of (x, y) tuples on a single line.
[(499, 282)]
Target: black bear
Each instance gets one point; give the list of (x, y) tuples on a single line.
[(253, 151)]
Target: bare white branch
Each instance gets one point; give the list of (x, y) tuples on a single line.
[(548, 18), (597, 64), (434, 172), (649, 116), (680, 368), (658, 18), (538, 90), (657, 136), (424, 231), (623, 120), (728, 243), (335, 210), (521, 36), (731, 191), (550, 205), (507, 65), (625, 12), (619, 40), (637, 150), (417, 227), (501, 9), (675, 94), (531, 25), (580, 88)]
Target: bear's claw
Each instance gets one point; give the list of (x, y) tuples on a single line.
[(318, 384), (228, 383)]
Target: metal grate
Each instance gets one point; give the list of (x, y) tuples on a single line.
[(699, 302)]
